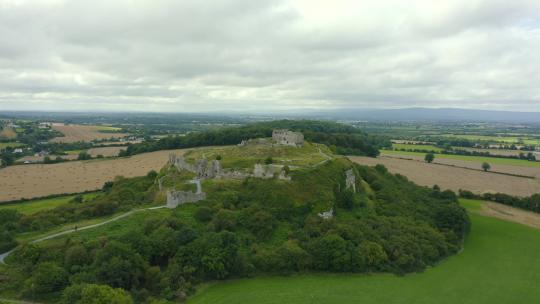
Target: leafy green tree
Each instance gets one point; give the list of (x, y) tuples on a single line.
[(224, 220), (372, 255), (486, 166), (118, 265), (95, 294), (203, 214), (429, 157), (7, 241), (261, 223), (269, 160), (218, 157), (84, 156), (76, 255), (331, 253), (152, 174), (48, 277)]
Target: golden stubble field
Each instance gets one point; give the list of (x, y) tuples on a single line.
[(105, 151), (74, 133), (29, 181), (454, 178)]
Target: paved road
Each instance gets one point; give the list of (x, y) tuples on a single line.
[(3, 256)]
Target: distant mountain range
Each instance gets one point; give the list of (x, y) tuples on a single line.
[(427, 114)]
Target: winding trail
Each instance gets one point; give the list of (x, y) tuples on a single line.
[(4, 255)]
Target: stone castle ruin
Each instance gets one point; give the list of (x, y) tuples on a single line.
[(205, 169), (175, 198), (288, 138), (350, 183)]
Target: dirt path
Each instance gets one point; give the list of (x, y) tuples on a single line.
[(511, 214)]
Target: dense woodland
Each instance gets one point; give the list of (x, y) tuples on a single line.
[(244, 228), (342, 139)]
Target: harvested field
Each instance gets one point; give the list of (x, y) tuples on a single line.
[(29, 181), (518, 170), (511, 214), (503, 152), (454, 178), (105, 151), (74, 133), (8, 133)]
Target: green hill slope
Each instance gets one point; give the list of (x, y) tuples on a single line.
[(499, 265)]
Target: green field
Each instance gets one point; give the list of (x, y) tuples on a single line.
[(416, 147), (74, 152), (503, 139), (498, 265), (10, 144), (491, 160), (33, 206)]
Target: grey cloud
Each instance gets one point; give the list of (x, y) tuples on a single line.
[(268, 54)]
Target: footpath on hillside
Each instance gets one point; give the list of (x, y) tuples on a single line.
[(4, 255)]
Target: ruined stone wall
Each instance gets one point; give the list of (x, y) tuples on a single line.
[(176, 198), (350, 180), (204, 169), (286, 137)]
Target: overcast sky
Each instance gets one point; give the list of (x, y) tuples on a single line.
[(257, 55)]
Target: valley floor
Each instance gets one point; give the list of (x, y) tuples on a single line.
[(499, 265)]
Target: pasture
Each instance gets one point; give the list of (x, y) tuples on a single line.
[(417, 147), (33, 206), (30, 181), (498, 265), (454, 178), (75, 133), (501, 139), (491, 160)]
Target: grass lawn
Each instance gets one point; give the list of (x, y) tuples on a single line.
[(491, 160), (247, 156), (74, 152), (416, 147), (33, 206), (499, 265)]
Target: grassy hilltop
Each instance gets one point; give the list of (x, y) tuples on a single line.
[(245, 228)]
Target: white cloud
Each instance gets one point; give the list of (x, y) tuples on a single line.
[(268, 54)]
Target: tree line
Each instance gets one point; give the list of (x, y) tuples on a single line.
[(342, 139)]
